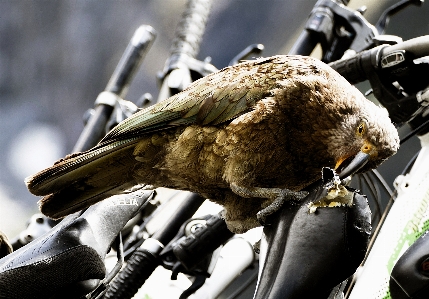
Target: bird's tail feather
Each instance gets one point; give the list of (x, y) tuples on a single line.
[(70, 200), (82, 179)]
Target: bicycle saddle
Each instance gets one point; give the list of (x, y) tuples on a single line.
[(410, 275), (305, 255), (72, 252)]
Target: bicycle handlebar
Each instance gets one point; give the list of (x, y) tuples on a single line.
[(116, 87), (146, 258), (184, 49), (384, 65), (191, 28), (418, 46), (130, 61), (359, 67), (356, 68)]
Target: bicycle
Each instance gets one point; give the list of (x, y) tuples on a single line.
[(193, 199)]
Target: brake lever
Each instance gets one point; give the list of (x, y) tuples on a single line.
[(384, 19), (337, 28)]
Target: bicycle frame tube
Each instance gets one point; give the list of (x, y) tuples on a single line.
[(407, 220)]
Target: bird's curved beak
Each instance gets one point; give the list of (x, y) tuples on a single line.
[(358, 161), (355, 164)]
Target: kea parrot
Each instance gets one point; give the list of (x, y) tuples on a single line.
[(248, 137)]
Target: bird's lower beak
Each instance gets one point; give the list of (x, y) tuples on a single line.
[(356, 163)]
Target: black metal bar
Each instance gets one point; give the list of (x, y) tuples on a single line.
[(305, 44), (186, 210), (131, 60), (191, 28), (186, 43), (117, 86), (146, 258)]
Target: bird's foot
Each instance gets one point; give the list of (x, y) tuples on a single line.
[(278, 195), (283, 195)]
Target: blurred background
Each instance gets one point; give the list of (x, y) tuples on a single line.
[(57, 56)]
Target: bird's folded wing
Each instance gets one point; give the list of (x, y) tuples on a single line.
[(212, 100)]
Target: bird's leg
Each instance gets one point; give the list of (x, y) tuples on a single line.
[(278, 196)]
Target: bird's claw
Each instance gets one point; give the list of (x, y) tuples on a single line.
[(278, 196), (273, 193), (283, 196)]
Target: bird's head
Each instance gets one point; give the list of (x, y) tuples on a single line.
[(344, 125), (364, 139), (348, 124)]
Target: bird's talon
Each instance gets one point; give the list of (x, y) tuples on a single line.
[(300, 195), (282, 196)]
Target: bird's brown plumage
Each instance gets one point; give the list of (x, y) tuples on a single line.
[(273, 123)]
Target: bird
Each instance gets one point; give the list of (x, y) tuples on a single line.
[(248, 137)]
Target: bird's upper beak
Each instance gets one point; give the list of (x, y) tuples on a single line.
[(366, 152), (355, 164)]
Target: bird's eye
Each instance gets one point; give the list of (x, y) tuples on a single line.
[(361, 129)]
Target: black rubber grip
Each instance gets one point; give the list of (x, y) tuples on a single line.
[(130, 61), (138, 269), (195, 247), (118, 84), (191, 28), (354, 69), (357, 68)]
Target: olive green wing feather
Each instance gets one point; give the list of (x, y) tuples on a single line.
[(212, 100), (84, 178)]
